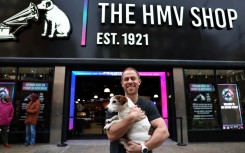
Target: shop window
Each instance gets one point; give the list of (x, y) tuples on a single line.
[(33, 79), (201, 100), (7, 73), (231, 91), (19, 83), (36, 73)]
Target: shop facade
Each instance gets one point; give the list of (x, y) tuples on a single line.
[(199, 45)]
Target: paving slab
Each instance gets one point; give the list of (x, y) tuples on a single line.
[(102, 146)]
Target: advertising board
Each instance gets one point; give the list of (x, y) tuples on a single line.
[(116, 29)]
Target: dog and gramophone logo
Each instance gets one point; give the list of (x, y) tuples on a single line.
[(56, 23), (227, 94)]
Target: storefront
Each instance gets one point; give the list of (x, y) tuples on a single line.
[(19, 83), (198, 45), (214, 104)]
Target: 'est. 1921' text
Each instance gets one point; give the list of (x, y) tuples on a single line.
[(126, 39)]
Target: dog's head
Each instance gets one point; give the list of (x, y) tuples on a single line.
[(116, 103), (45, 5)]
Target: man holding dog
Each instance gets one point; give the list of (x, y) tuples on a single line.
[(130, 81)]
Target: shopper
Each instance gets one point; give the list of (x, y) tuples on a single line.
[(32, 111), (130, 81), (6, 116)]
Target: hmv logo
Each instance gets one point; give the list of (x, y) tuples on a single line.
[(56, 23)]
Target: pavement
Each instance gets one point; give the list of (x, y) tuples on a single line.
[(102, 146)]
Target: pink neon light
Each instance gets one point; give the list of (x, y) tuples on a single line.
[(163, 91)]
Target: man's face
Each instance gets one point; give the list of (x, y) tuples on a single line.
[(130, 82), (7, 98), (33, 97)]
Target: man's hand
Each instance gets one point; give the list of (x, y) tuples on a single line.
[(136, 113), (133, 147)]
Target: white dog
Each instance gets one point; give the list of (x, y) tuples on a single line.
[(55, 19), (139, 131)]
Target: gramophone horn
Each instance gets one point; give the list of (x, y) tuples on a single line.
[(21, 18)]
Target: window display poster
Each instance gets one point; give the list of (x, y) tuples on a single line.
[(7, 88), (230, 106), (201, 97), (25, 100), (27, 90)]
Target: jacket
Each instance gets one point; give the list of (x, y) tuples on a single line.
[(32, 112), (6, 113)]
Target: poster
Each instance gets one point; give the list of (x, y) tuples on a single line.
[(230, 106), (201, 97), (27, 89), (7, 88)]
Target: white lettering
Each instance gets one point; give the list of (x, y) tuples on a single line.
[(103, 6), (219, 12), (198, 22), (149, 14), (232, 15), (164, 15), (219, 18), (99, 38), (207, 16), (114, 13), (179, 18), (128, 13)]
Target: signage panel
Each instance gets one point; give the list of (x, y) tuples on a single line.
[(125, 29), (230, 106), (34, 86), (201, 96)]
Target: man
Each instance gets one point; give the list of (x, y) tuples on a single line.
[(32, 111), (130, 81)]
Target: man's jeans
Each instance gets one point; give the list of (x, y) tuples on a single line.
[(30, 134)]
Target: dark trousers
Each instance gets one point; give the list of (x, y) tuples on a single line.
[(4, 132)]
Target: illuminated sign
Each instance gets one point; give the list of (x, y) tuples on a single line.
[(230, 106), (124, 29), (201, 87), (34, 86), (152, 15)]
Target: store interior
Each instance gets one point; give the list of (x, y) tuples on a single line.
[(93, 94)]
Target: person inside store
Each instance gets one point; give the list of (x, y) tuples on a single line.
[(6, 116), (32, 112), (130, 82)]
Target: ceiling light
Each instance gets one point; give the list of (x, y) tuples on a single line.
[(155, 96), (107, 90), (111, 94), (95, 96)]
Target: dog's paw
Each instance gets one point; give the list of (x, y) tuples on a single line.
[(107, 127), (51, 36), (123, 141)]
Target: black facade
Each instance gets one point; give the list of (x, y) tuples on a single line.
[(149, 35)]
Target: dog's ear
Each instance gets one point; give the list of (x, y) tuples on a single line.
[(122, 100), (49, 5)]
